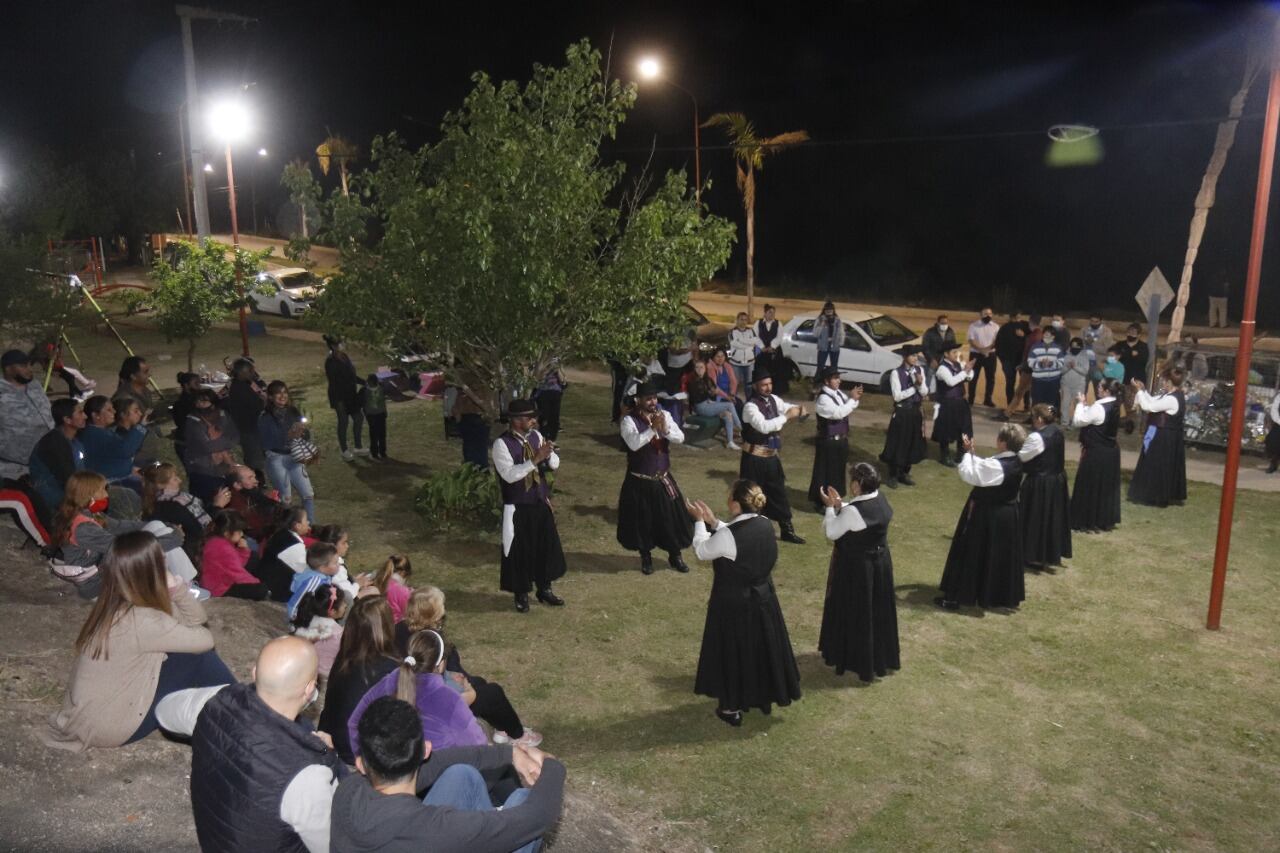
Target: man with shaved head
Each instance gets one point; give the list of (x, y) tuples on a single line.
[(261, 779)]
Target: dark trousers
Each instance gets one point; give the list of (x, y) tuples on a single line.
[(251, 591), (548, 403), (620, 377), (987, 364), (356, 415), (494, 708), (1010, 371), (377, 435), (179, 671), (475, 440), (251, 445)]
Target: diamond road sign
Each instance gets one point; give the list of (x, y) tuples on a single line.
[(1155, 286)]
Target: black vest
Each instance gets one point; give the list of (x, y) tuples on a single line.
[(833, 427), (877, 513), (1054, 457), (1007, 491), (1164, 420), (1103, 434), (243, 756), (751, 435), (280, 541), (748, 573)]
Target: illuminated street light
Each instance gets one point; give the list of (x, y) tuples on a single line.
[(208, 167), (262, 152), (651, 69)]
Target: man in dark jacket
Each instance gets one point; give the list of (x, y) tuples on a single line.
[(1011, 349), (938, 338), (344, 396), (385, 809)]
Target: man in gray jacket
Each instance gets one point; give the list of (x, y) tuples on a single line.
[(24, 414)]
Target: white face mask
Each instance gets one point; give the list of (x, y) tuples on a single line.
[(315, 697), (942, 327)]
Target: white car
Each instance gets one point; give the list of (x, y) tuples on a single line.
[(867, 353), (288, 292)]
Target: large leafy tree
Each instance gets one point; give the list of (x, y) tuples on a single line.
[(304, 191), (749, 151), (198, 288), (511, 242)]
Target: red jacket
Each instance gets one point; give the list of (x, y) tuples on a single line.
[(223, 566)]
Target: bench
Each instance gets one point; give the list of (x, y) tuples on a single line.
[(699, 430)]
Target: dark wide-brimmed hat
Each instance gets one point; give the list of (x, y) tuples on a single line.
[(522, 409), (14, 356), (909, 349), (645, 389), (760, 374), (948, 346), (827, 373)]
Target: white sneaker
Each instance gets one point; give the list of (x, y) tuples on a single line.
[(200, 593), (362, 451), (732, 446), (347, 455), (529, 740)]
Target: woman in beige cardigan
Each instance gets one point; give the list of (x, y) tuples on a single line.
[(145, 638)]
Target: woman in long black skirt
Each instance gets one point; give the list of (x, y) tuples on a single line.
[(904, 443), (1273, 436), (984, 565), (1160, 477), (860, 615), (954, 419), (1095, 497), (1043, 502), (746, 659)]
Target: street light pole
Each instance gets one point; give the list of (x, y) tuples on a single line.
[(235, 252), (652, 69)]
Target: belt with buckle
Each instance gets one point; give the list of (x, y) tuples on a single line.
[(759, 450)]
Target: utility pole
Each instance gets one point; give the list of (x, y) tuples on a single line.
[(201, 196)]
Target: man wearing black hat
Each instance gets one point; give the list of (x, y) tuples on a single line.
[(831, 458), (904, 443), (25, 416), (954, 418), (651, 511), (763, 418), (531, 551)]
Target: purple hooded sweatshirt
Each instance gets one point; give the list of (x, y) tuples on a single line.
[(446, 719)]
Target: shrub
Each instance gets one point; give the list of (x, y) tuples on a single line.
[(464, 497)]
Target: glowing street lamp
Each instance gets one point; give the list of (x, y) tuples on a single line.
[(651, 69), (208, 167), (229, 120)]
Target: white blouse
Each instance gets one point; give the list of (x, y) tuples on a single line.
[(751, 414), (847, 519), (977, 471), (709, 545)]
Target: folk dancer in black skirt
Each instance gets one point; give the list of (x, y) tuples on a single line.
[(831, 459), (1160, 477), (1095, 497), (746, 659), (763, 418), (531, 551), (904, 443), (1273, 435), (651, 510), (1044, 503), (860, 615), (954, 418), (984, 565)]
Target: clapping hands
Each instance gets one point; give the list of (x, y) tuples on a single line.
[(830, 497), (699, 511), (966, 443)]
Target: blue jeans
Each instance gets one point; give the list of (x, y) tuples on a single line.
[(180, 671), (743, 372), (287, 474), (463, 788), (827, 356), (724, 410)]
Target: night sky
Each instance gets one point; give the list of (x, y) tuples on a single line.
[(926, 180)]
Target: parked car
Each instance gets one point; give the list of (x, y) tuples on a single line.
[(867, 354), (709, 335), (288, 292)]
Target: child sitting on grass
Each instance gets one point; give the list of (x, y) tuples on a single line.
[(392, 581)]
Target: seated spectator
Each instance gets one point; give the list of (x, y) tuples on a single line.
[(83, 533), (279, 425), (408, 792), (258, 509), (711, 401), (144, 639), (244, 404), (261, 777), (722, 374), (59, 454), (367, 654), (25, 415), (488, 700), (225, 562), (112, 439), (420, 680), (189, 388), (336, 535), (164, 500), (322, 566), (284, 554), (392, 581), (211, 439), (318, 619), (135, 378)]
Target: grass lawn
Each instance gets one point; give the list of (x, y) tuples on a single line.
[(1101, 715)]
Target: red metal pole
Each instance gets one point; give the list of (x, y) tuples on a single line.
[(1245, 352), (235, 243), (697, 156)]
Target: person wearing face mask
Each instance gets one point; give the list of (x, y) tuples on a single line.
[(1011, 348), (1097, 336), (1077, 367), (1045, 361), (982, 350), (25, 415), (212, 439), (1134, 355), (937, 340)]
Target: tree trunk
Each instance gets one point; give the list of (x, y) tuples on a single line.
[(191, 354), (342, 173), (751, 241), (302, 210)]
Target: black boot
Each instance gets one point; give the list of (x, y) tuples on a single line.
[(905, 479), (944, 457), (646, 562), (522, 602), (677, 562), (546, 596), (789, 533), (1275, 463)]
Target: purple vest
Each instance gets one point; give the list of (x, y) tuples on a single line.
[(904, 380), (952, 392), (833, 428), (520, 492), (652, 459), (751, 435)]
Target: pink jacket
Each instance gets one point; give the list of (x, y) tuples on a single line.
[(397, 597), (223, 566)]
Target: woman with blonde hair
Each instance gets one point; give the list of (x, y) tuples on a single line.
[(488, 700), (164, 500), (144, 639), (746, 659)]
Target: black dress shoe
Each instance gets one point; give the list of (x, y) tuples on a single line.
[(945, 604), (990, 404), (522, 602), (546, 596), (646, 564), (733, 718), (891, 482), (789, 533), (905, 479), (677, 562)]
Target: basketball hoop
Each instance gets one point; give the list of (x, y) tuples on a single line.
[(1072, 132)]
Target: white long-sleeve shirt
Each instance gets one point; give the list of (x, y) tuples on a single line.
[(1275, 408), (635, 439), (1032, 447), (1166, 403), (709, 545), (742, 346), (508, 470), (977, 471), (834, 404), (895, 384), (952, 379), (847, 520), (751, 414), (1091, 415)]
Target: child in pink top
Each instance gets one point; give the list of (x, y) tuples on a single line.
[(392, 581), (225, 560)]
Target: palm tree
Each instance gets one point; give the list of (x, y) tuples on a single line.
[(749, 152), (339, 150)]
